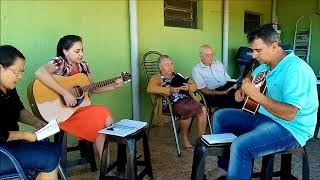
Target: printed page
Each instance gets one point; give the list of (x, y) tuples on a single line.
[(123, 128), (132, 123), (50, 129)]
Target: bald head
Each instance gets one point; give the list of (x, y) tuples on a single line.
[(204, 47), (206, 54)]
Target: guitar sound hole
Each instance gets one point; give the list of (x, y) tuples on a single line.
[(77, 91)]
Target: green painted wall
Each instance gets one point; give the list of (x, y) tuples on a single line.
[(183, 44), (179, 43), (287, 23), (237, 37), (34, 27)]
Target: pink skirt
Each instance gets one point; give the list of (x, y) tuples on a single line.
[(187, 108)]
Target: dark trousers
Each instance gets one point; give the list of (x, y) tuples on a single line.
[(223, 101)]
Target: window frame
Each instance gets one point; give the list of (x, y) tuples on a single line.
[(181, 22), (247, 30)]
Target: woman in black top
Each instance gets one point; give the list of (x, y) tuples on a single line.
[(39, 156)]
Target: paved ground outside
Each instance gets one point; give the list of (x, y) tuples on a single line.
[(167, 166)]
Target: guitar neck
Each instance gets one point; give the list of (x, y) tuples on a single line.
[(91, 87)]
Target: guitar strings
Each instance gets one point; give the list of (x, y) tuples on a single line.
[(99, 84), (124, 76)]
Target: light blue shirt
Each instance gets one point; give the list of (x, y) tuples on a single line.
[(293, 82), (210, 77)]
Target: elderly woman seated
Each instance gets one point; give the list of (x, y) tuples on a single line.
[(184, 105)]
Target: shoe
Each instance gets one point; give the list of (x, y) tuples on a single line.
[(217, 174)]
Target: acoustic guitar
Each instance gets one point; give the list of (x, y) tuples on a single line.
[(48, 105), (259, 80)]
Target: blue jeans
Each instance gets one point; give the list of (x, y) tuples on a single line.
[(39, 156), (258, 135)]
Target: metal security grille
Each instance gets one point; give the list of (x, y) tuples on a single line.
[(251, 22), (180, 13)]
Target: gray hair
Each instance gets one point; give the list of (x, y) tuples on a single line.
[(205, 46), (267, 33), (162, 58)]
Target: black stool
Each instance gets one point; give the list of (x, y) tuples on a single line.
[(285, 167), (130, 158), (199, 157), (86, 152)]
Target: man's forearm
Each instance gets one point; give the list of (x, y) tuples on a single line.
[(27, 118), (206, 91), (16, 135), (283, 111), (212, 92)]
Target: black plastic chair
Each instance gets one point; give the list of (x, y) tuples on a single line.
[(266, 173), (285, 168), (201, 151)]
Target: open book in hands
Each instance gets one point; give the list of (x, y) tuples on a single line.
[(230, 83), (216, 139), (48, 130), (178, 80)]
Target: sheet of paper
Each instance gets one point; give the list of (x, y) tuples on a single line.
[(124, 128), (48, 130)]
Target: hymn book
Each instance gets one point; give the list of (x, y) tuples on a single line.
[(178, 80)]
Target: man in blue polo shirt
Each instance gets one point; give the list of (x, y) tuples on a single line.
[(287, 115)]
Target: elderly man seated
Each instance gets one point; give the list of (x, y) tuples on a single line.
[(213, 80), (184, 105)]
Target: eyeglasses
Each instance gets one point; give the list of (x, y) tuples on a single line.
[(18, 74), (207, 55)]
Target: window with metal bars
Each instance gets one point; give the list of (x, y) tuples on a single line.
[(251, 21), (180, 13)]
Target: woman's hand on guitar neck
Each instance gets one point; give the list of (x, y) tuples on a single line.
[(117, 83), (69, 99)]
